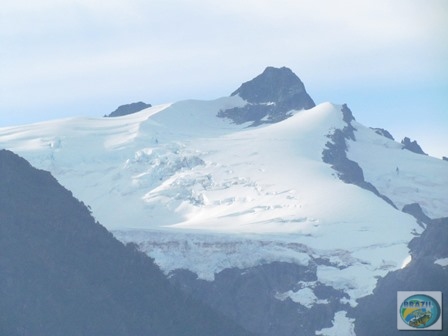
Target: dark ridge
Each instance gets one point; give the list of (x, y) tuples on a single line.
[(383, 132), (444, 158), (336, 154), (61, 273), (412, 146), (270, 97), (432, 243), (347, 114), (415, 210), (421, 274), (128, 109)]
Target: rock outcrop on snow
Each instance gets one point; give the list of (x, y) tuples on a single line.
[(128, 109), (412, 146)]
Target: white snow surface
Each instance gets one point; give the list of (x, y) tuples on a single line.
[(199, 192), (342, 326), (401, 175), (305, 295), (442, 262)]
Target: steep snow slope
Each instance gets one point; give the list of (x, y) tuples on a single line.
[(105, 161), (401, 175), (183, 167)]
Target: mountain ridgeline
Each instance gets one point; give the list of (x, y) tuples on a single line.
[(62, 273)]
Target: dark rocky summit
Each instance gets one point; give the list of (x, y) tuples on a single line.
[(270, 96), (412, 146), (279, 85), (61, 273), (128, 109)]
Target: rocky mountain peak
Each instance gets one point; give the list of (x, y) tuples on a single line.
[(270, 96), (276, 85)]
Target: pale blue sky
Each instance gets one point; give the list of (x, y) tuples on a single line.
[(388, 60)]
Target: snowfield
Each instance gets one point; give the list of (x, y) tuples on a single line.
[(199, 192)]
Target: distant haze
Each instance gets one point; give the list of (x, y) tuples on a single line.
[(386, 60)]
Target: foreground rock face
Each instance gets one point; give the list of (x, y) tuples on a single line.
[(281, 298), (270, 97), (64, 274), (261, 298)]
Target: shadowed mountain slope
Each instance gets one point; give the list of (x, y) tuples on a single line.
[(64, 274)]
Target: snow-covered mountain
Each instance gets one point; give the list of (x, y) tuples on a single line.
[(249, 180)]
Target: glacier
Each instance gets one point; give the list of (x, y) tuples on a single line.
[(202, 193)]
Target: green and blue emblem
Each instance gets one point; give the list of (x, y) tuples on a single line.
[(419, 310)]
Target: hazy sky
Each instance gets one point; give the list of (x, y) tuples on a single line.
[(388, 60)]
